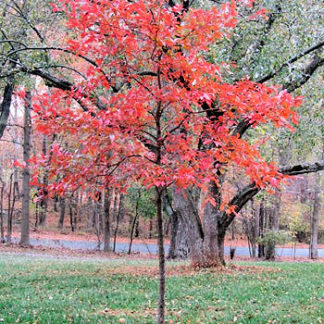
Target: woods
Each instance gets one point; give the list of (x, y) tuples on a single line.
[(173, 120)]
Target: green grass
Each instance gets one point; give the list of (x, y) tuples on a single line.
[(34, 290)]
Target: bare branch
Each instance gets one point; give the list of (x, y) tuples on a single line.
[(290, 61)]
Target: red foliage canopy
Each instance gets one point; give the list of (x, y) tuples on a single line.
[(152, 107)]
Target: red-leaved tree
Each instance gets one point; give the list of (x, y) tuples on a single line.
[(153, 109)]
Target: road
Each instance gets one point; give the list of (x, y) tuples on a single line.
[(152, 248)]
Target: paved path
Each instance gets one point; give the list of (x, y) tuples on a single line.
[(152, 248)]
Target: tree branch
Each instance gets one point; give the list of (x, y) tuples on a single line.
[(303, 168), (5, 105), (290, 61), (247, 193)]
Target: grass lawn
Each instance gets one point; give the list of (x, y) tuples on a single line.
[(40, 290)]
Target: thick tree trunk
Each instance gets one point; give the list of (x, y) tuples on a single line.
[(106, 218), (160, 242), (179, 248), (315, 220), (206, 241), (186, 208), (24, 239)]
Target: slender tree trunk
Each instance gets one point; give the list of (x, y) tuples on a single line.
[(89, 214), (62, 212), (9, 217), (159, 223), (134, 222), (56, 200), (24, 239), (315, 220), (303, 189), (261, 229), (107, 202), (72, 212), (1, 215), (150, 228), (119, 215), (44, 201)]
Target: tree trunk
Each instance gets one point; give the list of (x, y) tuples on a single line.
[(150, 228), (44, 202), (1, 215), (261, 251), (160, 242), (10, 207), (186, 208), (24, 239), (56, 200), (62, 212), (5, 105), (107, 201), (119, 216), (72, 212), (134, 222), (315, 220), (174, 222), (179, 248)]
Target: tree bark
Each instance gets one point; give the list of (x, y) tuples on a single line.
[(315, 220), (24, 239)]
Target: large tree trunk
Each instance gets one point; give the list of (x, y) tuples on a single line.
[(205, 239), (315, 220), (24, 239), (187, 210), (179, 248)]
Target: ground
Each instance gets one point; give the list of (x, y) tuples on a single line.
[(42, 287)]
